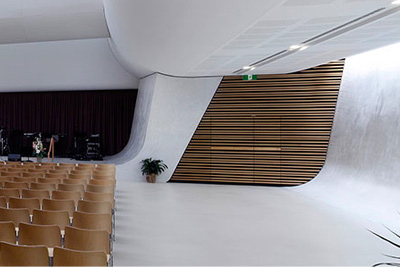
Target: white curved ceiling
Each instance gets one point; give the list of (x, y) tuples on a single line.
[(208, 37), (24, 21), (176, 37)]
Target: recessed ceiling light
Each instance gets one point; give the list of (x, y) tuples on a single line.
[(294, 47), (397, 2), (248, 68), (304, 47)]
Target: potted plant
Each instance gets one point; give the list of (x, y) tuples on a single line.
[(152, 168), (38, 148)]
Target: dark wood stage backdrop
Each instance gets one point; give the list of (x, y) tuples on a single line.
[(108, 113)]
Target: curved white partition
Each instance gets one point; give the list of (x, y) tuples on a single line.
[(167, 113), (173, 37), (24, 21), (362, 170), (64, 65)]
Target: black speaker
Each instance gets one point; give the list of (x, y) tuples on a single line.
[(14, 157)]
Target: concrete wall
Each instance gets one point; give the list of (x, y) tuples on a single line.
[(167, 113), (362, 170)]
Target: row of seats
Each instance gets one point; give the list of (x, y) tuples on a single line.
[(50, 236), (68, 205), (15, 255), (67, 208), (75, 195)]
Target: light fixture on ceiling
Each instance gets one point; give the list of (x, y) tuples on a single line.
[(304, 47), (248, 68), (330, 34), (294, 47)]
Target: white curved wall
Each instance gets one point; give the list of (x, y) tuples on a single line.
[(167, 113), (362, 170), (63, 65)]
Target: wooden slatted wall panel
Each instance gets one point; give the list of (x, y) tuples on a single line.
[(272, 131)]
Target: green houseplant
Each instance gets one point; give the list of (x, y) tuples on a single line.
[(151, 168)]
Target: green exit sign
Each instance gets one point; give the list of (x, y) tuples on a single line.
[(249, 77)]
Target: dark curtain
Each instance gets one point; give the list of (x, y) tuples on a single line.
[(108, 113)]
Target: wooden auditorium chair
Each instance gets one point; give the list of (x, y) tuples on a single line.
[(46, 235), (7, 232), (14, 255), (24, 203), (69, 257)]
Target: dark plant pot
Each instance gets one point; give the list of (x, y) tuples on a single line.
[(151, 178)]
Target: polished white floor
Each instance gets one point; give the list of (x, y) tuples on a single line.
[(196, 224)]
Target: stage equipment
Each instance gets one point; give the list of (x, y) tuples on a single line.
[(14, 157), (93, 150)]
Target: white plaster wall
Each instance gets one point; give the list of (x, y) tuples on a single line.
[(362, 170), (167, 113), (62, 65), (140, 121)]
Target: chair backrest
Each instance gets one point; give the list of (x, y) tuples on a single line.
[(95, 206), (62, 169), (107, 166), (37, 171), (44, 186), (33, 193), (16, 185), (33, 234), (6, 178), (72, 187), (9, 192), (102, 182), (100, 189), (14, 255), (99, 197), (16, 173), (56, 175), (59, 204), (44, 168), (24, 203), (25, 167), (49, 181), (33, 174), (104, 173), (46, 217), (13, 162), (84, 175), (3, 202), (87, 240), (83, 182), (93, 221), (86, 172), (67, 164), (28, 180), (69, 257), (58, 171), (102, 176), (46, 164), (74, 195), (85, 166), (14, 215), (7, 232)]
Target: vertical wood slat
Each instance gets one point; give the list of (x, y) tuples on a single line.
[(271, 131)]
